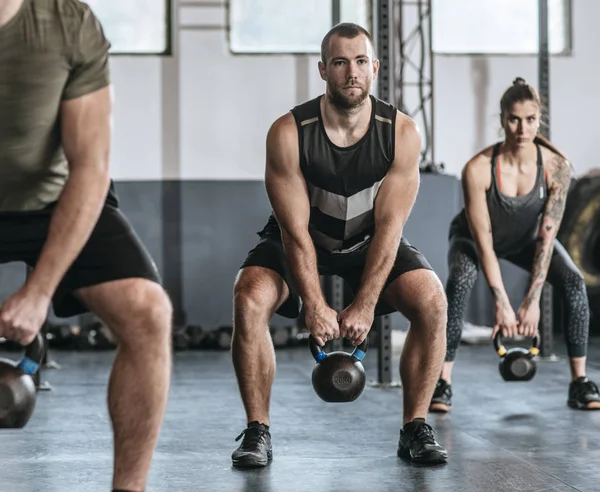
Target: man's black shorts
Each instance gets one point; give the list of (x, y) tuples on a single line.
[(112, 252), (269, 253)]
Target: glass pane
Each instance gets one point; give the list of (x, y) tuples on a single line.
[(133, 26), (496, 26), (276, 26), (357, 11)]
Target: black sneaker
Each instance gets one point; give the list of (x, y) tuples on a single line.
[(441, 401), (418, 445), (255, 449), (583, 394)]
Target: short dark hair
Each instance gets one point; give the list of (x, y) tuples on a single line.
[(345, 30)]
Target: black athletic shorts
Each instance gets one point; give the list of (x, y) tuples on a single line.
[(112, 252), (269, 253)]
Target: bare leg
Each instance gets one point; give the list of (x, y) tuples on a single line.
[(447, 371), (139, 313), (258, 293), (577, 367), (419, 295)]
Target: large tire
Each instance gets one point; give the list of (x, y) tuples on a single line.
[(580, 233)]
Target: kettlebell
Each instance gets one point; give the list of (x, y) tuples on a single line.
[(338, 377), (517, 364), (17, 388)]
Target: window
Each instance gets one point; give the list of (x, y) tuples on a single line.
[(498, 26), (282, 26), (135, 26)]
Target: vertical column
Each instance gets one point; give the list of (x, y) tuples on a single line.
[(172, 240), (547, 308)]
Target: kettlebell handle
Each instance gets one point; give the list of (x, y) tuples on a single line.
[(358, 353), (34, 354), (501, 349)]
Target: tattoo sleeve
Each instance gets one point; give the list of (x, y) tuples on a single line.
[(499, 297), (559, 174)]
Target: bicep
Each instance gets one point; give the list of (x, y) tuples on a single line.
[(398, 191), (85, 129), (285, 184), (559, 183), (476, 210), (396, 195)]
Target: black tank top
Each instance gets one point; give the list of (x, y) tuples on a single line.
[(515, 220), (343, 181)]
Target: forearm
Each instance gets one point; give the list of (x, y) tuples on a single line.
[(493, 275), (379, 262), (541, 262), (551, 219), (72, 222), (302, 259)]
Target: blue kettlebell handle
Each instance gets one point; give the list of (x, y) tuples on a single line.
[(34, 353), (358, 353)]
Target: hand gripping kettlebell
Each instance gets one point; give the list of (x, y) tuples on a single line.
[(17, 388), (517, 364), (338, 376)]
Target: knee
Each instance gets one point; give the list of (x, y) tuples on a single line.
[(247, 297), (149, 316), (462, 275), (251, 302), (436, 307), (431, 311)]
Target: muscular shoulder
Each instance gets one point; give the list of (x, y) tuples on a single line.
[(557, 167), (554, 161), (282, 140), (406, 129), (283, 130), (407, 142), (477, 170)]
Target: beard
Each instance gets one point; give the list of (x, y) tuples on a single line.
[(344, 102)]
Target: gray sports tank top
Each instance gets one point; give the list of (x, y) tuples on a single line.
[(515, 220)]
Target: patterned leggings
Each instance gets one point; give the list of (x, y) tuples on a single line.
[(563, 275)]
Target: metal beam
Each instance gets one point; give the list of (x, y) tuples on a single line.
[(335, 12), (544, 67)]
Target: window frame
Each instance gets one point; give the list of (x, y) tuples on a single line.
[(168, 51), (369, 26), (566, 52)]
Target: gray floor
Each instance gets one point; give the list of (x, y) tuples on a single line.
[(500, 436)]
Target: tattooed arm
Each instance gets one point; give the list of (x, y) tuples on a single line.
[(559, 179)]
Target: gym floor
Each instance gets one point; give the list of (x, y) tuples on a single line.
[(500, 436)]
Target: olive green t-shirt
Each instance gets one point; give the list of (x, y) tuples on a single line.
[(50, 51)]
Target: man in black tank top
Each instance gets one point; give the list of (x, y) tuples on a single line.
[(515, 193), (342, 176)]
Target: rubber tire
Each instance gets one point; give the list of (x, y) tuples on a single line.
[(580, 233)]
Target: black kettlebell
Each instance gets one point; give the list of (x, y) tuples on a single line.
[(17, 388), (338, 377), (517, 364)]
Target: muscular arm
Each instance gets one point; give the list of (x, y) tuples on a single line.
[(85, 127), (288, 195), (394, 202), (474, 184), (559, 178)]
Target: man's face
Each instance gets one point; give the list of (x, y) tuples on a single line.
[(349, 70)]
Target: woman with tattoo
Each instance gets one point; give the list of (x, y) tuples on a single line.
[(514, 193)]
